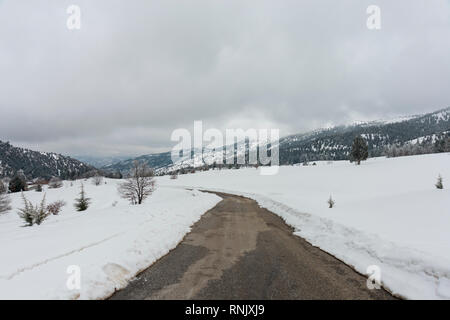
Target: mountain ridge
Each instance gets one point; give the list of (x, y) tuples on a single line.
[(333, 143), (37, 164)]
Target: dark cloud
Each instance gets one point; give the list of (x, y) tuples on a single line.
[(139, 69)]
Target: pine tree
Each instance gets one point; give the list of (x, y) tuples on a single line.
[(439, 183), (82, 203), (359, 150), (330, 202)]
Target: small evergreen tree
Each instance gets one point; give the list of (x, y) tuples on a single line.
[(17, 184), (82, 203), (41, 212), (33, 214), (359, 150), (39, 188), (26, 213), (439, 183), (330, 202)]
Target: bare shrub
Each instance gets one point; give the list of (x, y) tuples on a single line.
[(97, 180), (174, 176), (139, 185), (55, 183), (5, 201), (55, 207)]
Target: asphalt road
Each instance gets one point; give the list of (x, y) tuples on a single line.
[(240, 251)]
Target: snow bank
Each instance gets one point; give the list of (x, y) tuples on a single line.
[(110, 242), (388, 213)]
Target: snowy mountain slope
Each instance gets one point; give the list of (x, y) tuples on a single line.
[(387, 213), (324, 144), (335, 143), (155, 161), (38, 164), (99, 161)]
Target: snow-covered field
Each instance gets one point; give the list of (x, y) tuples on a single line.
[(388, 213), (110, 242)]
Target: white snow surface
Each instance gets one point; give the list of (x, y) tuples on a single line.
[(110, 242), (388, 213)]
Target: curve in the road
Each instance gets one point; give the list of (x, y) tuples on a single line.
[(238, 250)]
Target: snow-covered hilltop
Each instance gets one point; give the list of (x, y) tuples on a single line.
[(37, 164)]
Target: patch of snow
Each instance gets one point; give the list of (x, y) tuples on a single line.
[(110, 242)]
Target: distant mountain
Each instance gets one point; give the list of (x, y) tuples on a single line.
[(38, 164), (323, 144), (99, 162), (155, 161), (335, 143)]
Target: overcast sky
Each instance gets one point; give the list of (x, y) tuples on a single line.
[(137, 70)]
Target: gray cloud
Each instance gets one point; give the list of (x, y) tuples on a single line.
[(139, 69)]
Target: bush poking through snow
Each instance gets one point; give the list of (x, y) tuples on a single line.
[(3, 187), (41, 212), (97, 180), (439, 183), (18, 184), (33, 214), (55, 207), (330, 202), (174, 176), (5, 203), (39, 188), (139, 185), (55, 183), (82, 203), (4, 199)]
